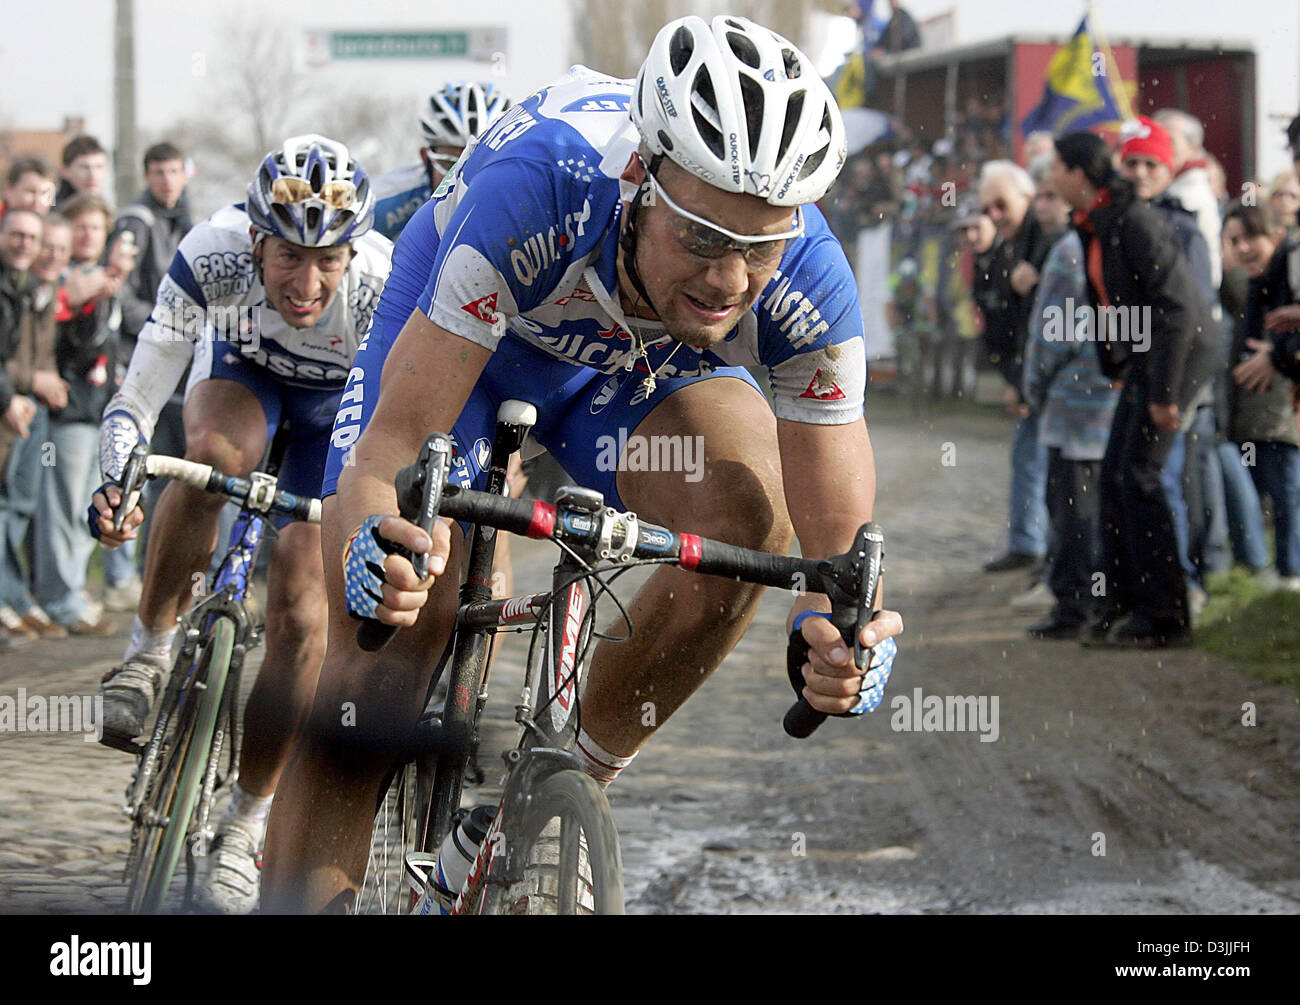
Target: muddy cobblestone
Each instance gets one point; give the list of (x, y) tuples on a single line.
[(724, 813)]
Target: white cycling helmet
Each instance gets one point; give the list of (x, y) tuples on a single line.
[(311, 193), (461, 111), (740, 107)]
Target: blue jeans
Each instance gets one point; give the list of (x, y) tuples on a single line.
[(20, 488), (119, 565), (63, 541), (1245, 517), (1208, 544), (1028, 517), (1277, 475), (1171, 479)]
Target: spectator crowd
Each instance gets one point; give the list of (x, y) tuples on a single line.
[(1144, 329), (1145, 332), (77, 283)]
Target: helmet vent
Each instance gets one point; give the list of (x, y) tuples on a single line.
[(793, 68), (640, 96), (752, 94), (285, 218), (733, 23), (814, 160), (680, 48), (744, 48), (793, 110), (313, 217), (703, 94)]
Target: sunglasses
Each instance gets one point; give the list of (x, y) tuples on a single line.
[(707, 240), (338, 194)]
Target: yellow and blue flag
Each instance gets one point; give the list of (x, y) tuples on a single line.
[(1079, 92)]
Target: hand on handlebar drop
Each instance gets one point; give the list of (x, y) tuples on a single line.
[(832, 683), (101, 517), (379, 580)]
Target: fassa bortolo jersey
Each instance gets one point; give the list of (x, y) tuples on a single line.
[(211, 301), (520, 241)]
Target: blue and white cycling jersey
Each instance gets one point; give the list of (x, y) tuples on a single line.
[(520, 241), (398, 194)]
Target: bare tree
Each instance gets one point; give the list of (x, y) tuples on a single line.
[(265, 97), (261, 72)]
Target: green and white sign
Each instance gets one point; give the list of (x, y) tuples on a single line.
[(480, 44)]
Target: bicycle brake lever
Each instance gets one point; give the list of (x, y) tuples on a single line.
[(867, 558), (133, 477), (419, 494)]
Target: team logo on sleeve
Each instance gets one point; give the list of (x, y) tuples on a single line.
[(484, 308), (821, 388)]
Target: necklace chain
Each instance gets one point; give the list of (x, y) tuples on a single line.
[(649, 383)]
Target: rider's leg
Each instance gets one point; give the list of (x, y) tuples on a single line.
[(277, 709), (281, 698), (331, 783), (691, 622)]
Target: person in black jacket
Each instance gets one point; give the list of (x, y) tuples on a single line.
[(1006, 299), (1193, 478), (1152, 331)]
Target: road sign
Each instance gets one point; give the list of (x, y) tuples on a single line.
[(480, 44)]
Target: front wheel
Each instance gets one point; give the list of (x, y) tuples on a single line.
[(568, 845), (179, 808), (384, 889)]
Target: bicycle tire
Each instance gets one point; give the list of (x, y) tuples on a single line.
[(153, 800), (216, 655), (384, 889), (569, 846)]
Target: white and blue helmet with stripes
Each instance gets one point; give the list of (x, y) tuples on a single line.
[(460, 111), (311, 193)]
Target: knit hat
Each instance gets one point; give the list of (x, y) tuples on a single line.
[(1144, 137)]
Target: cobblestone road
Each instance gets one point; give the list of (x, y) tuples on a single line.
[(722, 812)]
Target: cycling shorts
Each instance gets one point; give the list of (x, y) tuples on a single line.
[(310, 412)]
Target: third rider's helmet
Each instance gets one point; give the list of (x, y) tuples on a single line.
[(740, 107), (461, 111)]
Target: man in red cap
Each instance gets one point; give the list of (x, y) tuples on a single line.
[(1192, 475), (1147, 156)]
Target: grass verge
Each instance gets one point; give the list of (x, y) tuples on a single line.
[(1256, 629)]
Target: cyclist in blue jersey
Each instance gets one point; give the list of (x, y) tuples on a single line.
[(266, 303), (455, 115), (615, 252), (454, 118)]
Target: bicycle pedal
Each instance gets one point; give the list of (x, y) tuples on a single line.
[(123, 743)]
